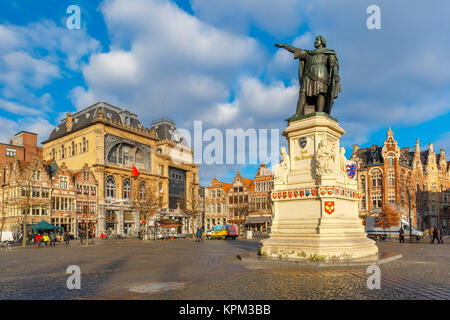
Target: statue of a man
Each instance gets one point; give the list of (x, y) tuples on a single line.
[(318, 75)]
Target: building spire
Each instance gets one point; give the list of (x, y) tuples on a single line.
[(390, 133), (416, 146)]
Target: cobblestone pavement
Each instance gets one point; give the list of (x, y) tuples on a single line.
[(182, 269)]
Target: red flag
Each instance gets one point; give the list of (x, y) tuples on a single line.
[(135, 171)]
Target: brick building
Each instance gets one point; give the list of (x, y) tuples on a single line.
[(415, 179), (86, 199), (260, 204), (23, 146)]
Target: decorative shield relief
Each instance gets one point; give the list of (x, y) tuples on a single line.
[(284, 194), (307, 192), (274, 195), (330, 191), (302, 142), (295, 193), (290, 193), (302, 193), (329, 207), (323, 191), (313, 192), (351, 169)]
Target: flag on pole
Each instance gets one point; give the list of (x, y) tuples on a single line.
[(135, 171)]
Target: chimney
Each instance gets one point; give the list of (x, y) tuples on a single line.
[(69, 121), (355, 148)]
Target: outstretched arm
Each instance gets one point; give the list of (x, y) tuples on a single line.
[(287, 47)]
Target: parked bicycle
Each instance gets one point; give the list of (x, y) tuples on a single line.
[(5, 246)]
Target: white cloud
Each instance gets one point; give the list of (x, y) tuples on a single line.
[(267, 100), (20, 69), (37, 125), (33, 56), (304, 41), (279, 18), (18, 109), (165, 60)]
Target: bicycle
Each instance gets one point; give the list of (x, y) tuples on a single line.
[(5, 246)]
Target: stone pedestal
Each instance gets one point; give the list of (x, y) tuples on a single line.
[(316, 207)]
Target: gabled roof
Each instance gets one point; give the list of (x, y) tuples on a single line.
[(226, 186)]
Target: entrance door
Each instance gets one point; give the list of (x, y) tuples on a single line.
[(110, 222)]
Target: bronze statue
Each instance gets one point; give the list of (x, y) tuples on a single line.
[(318, 74)]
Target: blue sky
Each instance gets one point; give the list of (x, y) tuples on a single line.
[(215, 61)]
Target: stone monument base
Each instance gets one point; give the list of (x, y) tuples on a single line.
[(316, 204)]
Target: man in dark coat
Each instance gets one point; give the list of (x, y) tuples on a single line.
[(435, 235), (401, 235), (199, 234)]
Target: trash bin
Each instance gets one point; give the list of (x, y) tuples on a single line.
[(249, 234)]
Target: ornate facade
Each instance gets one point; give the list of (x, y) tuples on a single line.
[(25, 194), (216, 204), (111, 140), (417, 181), (242, 201), (260, 204)]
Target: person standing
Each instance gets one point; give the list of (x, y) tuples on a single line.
[(37, 238), (401, 235), (52, 239), (67, 237), (435, 235), (441, 235), (46, 239)]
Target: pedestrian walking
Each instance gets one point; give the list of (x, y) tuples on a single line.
[(52, 239), (198, 235), (67, 237), (401, 235), (435, 234), (46, 239), (37, 238), (441, 235)]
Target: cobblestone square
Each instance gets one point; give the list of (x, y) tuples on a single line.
[(183, 269)]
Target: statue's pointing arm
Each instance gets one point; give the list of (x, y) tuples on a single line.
[(298, 53)]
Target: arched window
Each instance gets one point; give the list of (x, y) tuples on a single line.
[(376, 178), (84, 145), (391, 158), (122, 153), (53, 153), (363, 183), (126, 189), (73, 148), (62, 152), (110, 187)]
